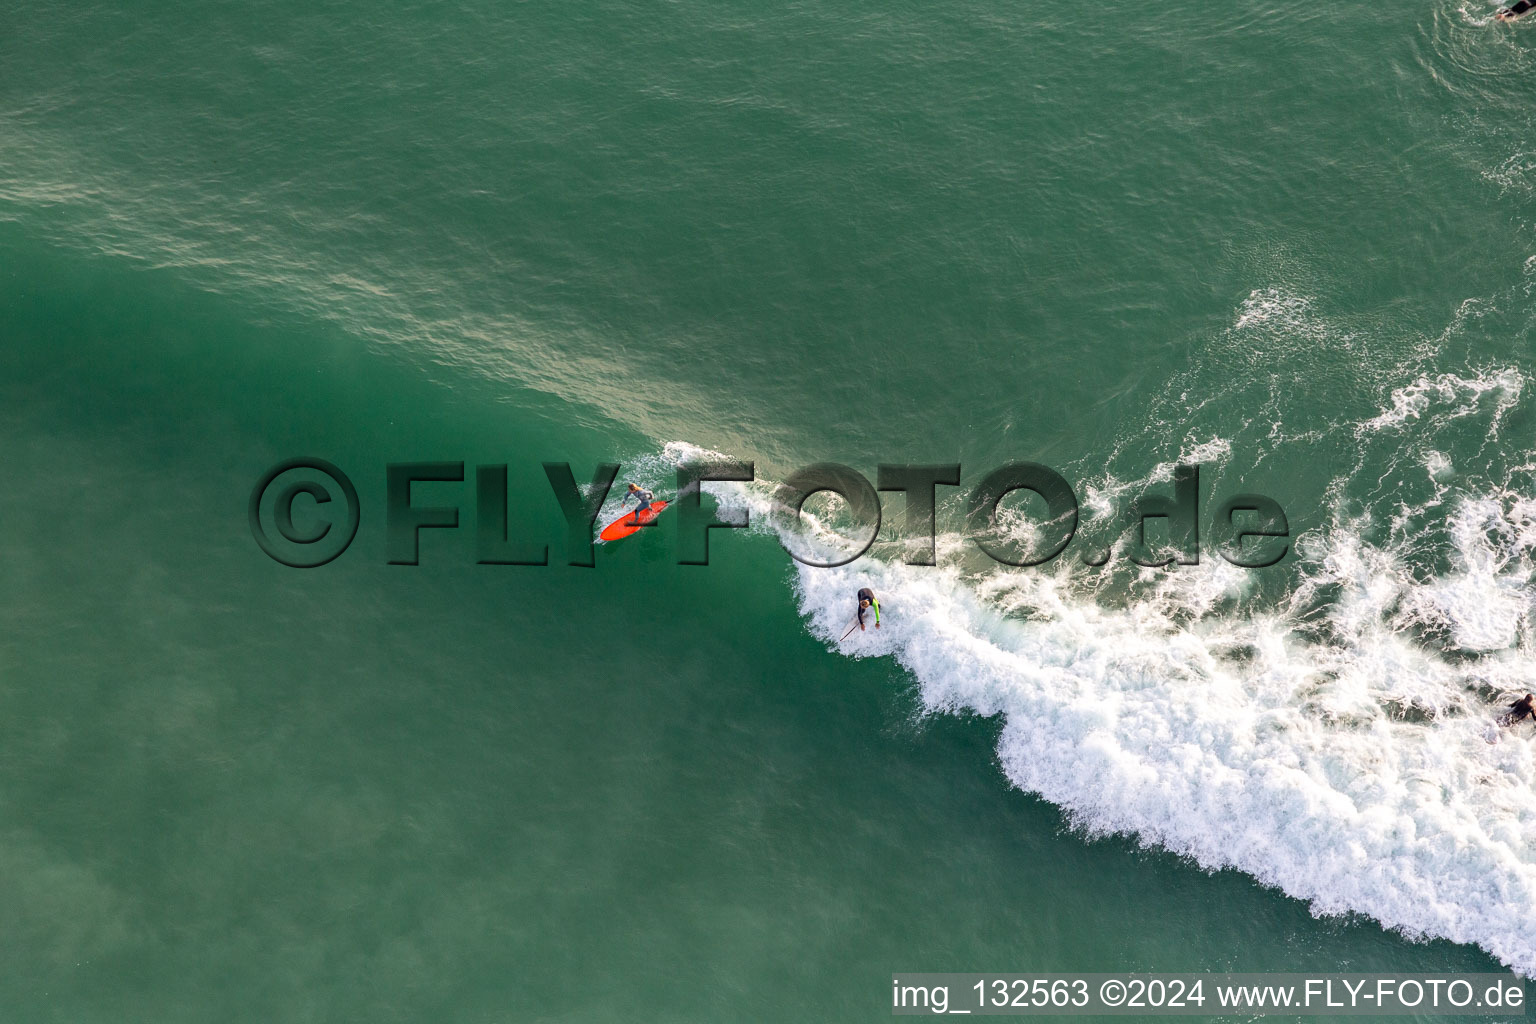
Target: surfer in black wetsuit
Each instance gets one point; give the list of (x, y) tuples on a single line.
[(1521, 709), (642, 498), (867, 600)]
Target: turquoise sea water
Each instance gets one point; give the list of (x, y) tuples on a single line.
[(1291, 243)]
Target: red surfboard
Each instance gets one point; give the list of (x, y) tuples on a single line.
[(626, 525)]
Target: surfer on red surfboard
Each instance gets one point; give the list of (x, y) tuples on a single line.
[(647, 508), (642, 497)]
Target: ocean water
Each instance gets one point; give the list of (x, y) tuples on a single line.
[(1294, 245)]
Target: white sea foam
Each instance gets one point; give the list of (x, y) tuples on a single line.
[(1451, 396), (1349, 769), (1277, 308)]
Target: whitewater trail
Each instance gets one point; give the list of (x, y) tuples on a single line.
[(1333, 744)]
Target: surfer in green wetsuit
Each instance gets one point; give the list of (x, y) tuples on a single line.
[(867, 600), (642, 498)]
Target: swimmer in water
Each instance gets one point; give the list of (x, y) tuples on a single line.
[(1520, 710), (1516, 10)]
